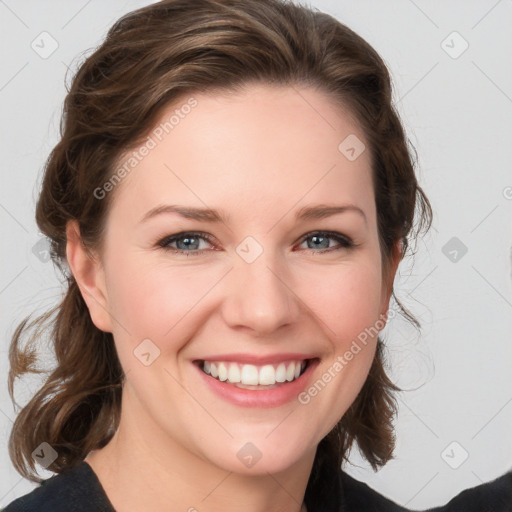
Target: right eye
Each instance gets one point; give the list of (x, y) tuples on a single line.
[(188, 240)]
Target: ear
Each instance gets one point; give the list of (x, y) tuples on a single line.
[(389, 278), (89, 275)]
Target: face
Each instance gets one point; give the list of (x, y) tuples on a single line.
[(270, 282)]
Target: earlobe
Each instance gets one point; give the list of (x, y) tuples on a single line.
[(89, 275)]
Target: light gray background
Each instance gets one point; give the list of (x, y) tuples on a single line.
[(458, 113)]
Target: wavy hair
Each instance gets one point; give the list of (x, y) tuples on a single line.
[(150, 58)]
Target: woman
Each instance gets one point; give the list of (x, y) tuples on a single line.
[(230, 200)]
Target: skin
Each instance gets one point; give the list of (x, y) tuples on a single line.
[(260, 155)]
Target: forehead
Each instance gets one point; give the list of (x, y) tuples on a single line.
[(248, 149)]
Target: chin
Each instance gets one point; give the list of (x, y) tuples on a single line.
[(260, 455)]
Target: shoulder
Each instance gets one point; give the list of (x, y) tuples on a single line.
[(358, 496), (495, 496), (75, 489)]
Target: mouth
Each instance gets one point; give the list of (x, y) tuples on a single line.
[(253, 376)]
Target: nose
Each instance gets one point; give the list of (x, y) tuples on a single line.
[(260, 296)]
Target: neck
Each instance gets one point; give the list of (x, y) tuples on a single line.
[(142, 468)]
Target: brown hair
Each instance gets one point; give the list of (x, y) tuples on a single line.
[(149, 58)]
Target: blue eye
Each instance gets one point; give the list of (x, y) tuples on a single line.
[(188, 242), (321, 238)]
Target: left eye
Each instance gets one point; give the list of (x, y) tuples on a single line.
[(188, 242), (320, 238)]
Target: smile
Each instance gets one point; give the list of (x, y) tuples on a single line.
[(257, 385), (253, 375)]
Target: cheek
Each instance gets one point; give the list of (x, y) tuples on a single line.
[(155, 301), (346, 298), (349, 309)]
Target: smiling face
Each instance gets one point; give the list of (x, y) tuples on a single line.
[(268, 282)]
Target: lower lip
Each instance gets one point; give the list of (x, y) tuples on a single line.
[(284, 393)]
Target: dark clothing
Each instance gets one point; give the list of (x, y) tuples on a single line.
[(74, 490), (79, 490)]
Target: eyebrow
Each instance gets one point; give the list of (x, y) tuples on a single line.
[(212, 215)]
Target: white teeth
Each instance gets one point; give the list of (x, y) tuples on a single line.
[(233, 373), (249, 374), (223, 372), (290, 372), (281, 373), (267, 375)]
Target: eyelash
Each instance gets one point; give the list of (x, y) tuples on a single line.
[(344, 241)]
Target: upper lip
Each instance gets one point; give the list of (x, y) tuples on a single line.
[(258, 359)]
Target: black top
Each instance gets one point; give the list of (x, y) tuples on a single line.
[(79, 490)]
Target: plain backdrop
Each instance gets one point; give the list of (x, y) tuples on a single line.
[(452, 70)]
